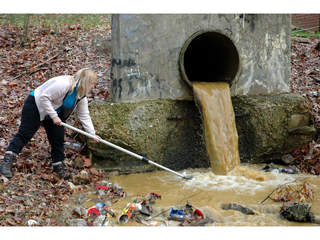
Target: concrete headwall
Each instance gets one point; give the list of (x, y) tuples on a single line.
[(146, 49), (155, 59)]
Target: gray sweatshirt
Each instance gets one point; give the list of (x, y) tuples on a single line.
[(49, 96)]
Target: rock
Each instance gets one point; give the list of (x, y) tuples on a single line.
[(78, 222), (81, 178), (201, 222), (287, 159), (80, 212), (297, 212), (84, 175), (237, 207), (78, 162)]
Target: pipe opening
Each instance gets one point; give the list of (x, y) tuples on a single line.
[(208, 57)]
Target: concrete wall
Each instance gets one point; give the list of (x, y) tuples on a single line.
[(146, 48)]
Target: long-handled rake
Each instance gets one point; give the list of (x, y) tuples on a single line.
[(125, 151)]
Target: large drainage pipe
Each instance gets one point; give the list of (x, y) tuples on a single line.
[(208, 56)]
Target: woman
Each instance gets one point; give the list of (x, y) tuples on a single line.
[(49, 105)]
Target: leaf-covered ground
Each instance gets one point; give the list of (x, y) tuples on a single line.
[(56, 47), (305, 80), (51, 50)]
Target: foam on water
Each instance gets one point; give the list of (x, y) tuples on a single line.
[(205, 179)]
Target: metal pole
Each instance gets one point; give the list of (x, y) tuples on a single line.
[(123, 150)]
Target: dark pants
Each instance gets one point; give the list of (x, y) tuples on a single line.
[(30, 123)]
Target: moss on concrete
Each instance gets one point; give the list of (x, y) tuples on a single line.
[(267, 125), (170, 132), (167, 132)]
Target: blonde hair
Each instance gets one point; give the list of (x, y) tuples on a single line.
[(84, 78)]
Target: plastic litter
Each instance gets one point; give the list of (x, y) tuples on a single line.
[(102, 187), (111, 190), (32, 222), (288, 170), (93, 211), (73, 146), (271, 168), (127, 213), (152, 196), (71, 186), (188, 216), (100, 206), (176, 214), (124, 218)]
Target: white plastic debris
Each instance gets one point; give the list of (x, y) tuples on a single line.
[(4, 179), (32, 222)]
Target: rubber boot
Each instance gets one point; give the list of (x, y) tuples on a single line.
[(6, 164), (60, 169)]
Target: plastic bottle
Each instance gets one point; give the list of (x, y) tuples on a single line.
[(288, 170), (100, 206), (74, 146)]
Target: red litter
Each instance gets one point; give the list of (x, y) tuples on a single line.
[(198, 212), (93, 212), (102, 188)]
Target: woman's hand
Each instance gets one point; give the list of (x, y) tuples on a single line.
[(97, 140), (57, 121)]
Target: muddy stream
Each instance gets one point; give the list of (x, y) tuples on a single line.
[(226, 182), (246, 185)]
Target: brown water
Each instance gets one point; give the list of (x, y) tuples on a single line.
[(242, 184), (214, 100), (245, 185)]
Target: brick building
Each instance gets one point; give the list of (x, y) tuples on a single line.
[(307, 21)]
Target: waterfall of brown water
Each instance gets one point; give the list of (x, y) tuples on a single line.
[(214, 101)]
